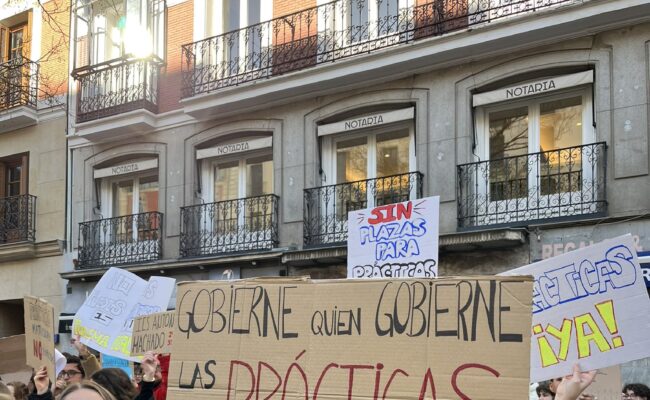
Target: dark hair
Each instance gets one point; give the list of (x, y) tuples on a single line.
[(21, 391), (72, 359), (639, 389), (117, 382), (544, 387)]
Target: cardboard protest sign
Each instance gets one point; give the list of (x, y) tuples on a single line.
[(153, 332), (395, 240), (105, 320), (39, 334), (607, 385), (589, 305), (13, 356), (352, 339)]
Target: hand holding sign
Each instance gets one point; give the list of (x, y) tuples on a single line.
[(573, 385)]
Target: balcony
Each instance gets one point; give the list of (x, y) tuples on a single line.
[(317, 40), (119, 96), (233, 226), (566, 183), (18, 94), (18, 219), (326, 208), (130, 239)]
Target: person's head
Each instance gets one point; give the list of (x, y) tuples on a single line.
[(73, 372), (117, 382), (544, 392), (137, 373), (85, 391), (553, 384), (636, 391), (19, 389)]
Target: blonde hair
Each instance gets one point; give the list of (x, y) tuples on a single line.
[(103, 393)]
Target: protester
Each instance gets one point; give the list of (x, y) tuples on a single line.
[(73, 372), (117, 382), (544, 392), (89, 362), (86, 391), (20, 390), (41, 385), (636, 391)]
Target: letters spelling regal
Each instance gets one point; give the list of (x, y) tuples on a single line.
[(589, 305), (331, 340)]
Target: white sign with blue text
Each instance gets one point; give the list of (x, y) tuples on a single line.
[(589, 306), (395, 240)]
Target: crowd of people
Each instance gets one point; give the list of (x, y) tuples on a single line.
[(83, 378)]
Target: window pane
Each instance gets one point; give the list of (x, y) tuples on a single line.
[(226, 181), (508, 154), (560, 128), (392, 159), (122, 198), (148, 194), (358, 17), (351, 160), (259, 176)]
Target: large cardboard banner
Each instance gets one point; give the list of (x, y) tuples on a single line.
[(394, 241), (153, 332), (105, 320), (589, 305), (353, 339), (13, 354), (39, 334)]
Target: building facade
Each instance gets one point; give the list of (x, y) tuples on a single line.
[(33, 87), (229, 139)]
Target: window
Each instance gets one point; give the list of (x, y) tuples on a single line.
[(103, 28), (14, 204), (13, 175), (535, 152), (131, 197), (364, 161)]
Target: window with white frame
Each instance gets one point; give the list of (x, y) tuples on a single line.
[(535, 158), (370, 167), (237, 185)]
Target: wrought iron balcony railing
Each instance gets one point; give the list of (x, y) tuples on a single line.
[(326, 208), (230, 226), (332, 31), (568, 182), (117, 86), (18, 219), (129, 239), (18, 83)]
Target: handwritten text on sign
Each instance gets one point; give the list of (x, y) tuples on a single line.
[(39, 334), (589, 305), (394, 240), (352, 339), (153, 332)]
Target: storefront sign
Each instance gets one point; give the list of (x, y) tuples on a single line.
[(352, 339), (395, 240), (231, 148), (126, 168), (367, 121), (533, 88), (589, 305)]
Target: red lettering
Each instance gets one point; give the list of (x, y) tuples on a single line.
[(428, 380), (250, 371), (390, 213), (302, 375), (259, 380), (390, 381), (379, 367), (404, 210), (38, 349), (351, 375), (321, 377), (463, 367), (378, 216)]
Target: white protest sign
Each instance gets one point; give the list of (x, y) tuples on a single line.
[(395, 240), (104, 322), (589, 306)]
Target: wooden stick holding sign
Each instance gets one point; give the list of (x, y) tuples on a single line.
[(39, 334)]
